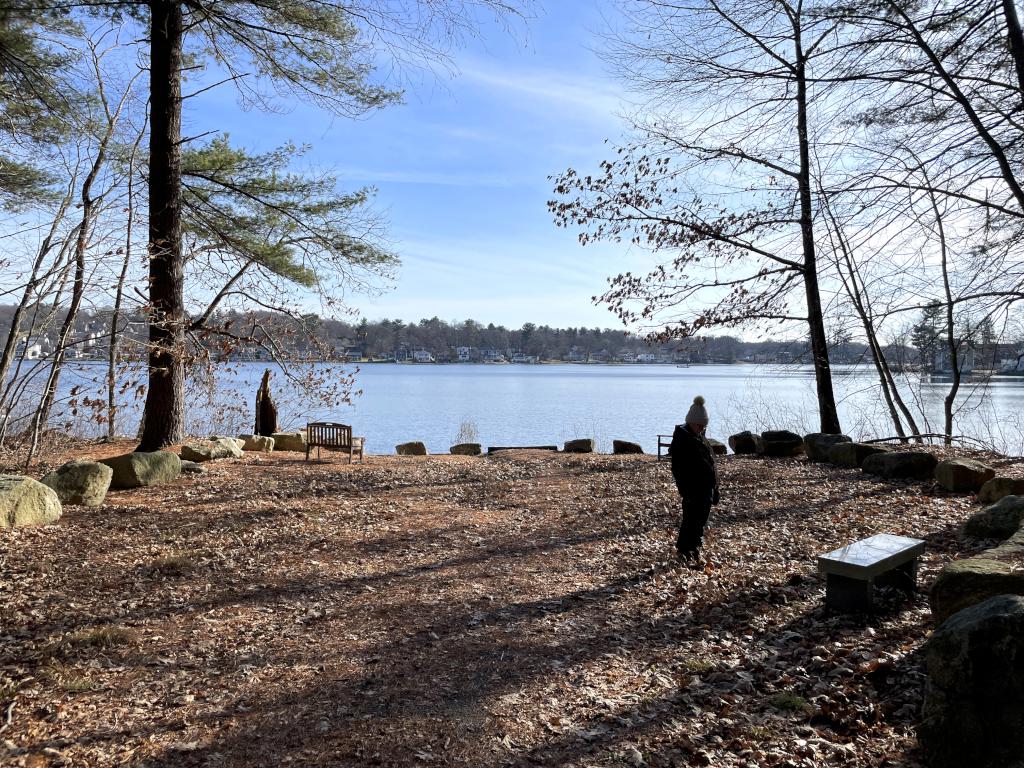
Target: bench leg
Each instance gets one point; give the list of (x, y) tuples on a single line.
[(846, 595), (902, 577)]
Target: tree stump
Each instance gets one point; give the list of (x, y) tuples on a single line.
[(266, 411)]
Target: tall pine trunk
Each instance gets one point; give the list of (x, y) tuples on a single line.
[(164, 414)]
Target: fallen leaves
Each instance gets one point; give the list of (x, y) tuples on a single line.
[(521, 609)]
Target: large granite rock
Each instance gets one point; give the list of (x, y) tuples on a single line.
[(998, 487), (414, 448), (258, 443), (290, 441), (466, 449), (219, 448), (916, 465), (24, 501), (743, 442), (780, 442), (998, 521), (853, 454), (973, 714), (718, 448), (236, 440), (963, 583), (136, 469), (818, 444), (963, 475), (80, 482), (191, 468), (583, 445), (624, 446)]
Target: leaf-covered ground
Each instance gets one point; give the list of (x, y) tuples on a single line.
[(521, 609)]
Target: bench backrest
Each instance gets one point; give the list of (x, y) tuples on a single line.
[(328, 433)]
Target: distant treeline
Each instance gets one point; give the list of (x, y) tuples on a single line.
[(311, 336), (384, 339)]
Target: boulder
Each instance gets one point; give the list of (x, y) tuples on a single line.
[(743, 442), (414, 448), (261, 443), (466, 449), (191, 467), (973, 713), (998, 487), (780, 442), (236, 440), (963, 475), (135, 469), (80, 482), (853, 454), (818, 444), (998, 521), (718, 448), (624, 446), (24, 501), (290, 441), (916, 465), (220, 448), (583, 445), (963, 583)]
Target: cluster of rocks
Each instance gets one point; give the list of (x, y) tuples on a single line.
[(580, 445), (957, 475), (973, 710), (26, 501)]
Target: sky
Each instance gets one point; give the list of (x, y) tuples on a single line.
[(461, 170)]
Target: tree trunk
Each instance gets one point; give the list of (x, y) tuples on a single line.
[(266, 411), (1016, 38), (164, 413), (829, 417)]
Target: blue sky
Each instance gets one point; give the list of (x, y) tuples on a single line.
[(461, 170)]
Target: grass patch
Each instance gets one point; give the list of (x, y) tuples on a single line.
[(761, 733), (787, 701), (68, 679), (171, 565), (698, 666), (99, 638)]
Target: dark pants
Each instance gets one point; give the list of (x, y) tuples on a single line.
[(691, 529)]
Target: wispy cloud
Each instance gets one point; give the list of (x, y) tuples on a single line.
[(544, 88), (434, 177)]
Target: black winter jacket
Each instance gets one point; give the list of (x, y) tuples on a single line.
[(693, 466)]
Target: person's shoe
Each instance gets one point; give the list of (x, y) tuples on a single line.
[(686, 556)]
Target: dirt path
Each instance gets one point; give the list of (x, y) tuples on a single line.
[(513, 610)]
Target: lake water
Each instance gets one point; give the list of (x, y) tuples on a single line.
[(548, 404)]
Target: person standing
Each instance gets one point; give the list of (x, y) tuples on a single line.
[(693, 469)]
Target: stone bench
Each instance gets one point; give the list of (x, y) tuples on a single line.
[(851, 572)]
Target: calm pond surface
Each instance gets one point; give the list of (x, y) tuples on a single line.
[(548, 404)]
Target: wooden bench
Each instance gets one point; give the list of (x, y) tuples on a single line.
[(664, 441), (851, 572), (334, 437)]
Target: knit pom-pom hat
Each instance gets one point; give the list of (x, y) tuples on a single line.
[(697, 414)]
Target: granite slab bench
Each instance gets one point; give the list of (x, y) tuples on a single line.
[(851, 572)]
